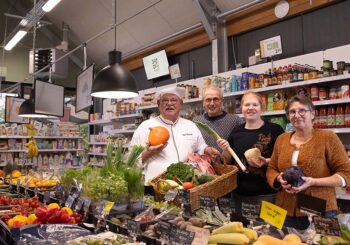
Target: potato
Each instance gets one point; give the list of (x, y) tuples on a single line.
[(184, 225)]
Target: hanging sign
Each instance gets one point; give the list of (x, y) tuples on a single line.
[(271, 47), (174, 71)]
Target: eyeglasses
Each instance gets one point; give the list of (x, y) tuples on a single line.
[(214, 100), (169, 101), (301, 112)]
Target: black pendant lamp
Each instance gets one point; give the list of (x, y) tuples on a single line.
[(114, 81), (27, 108)]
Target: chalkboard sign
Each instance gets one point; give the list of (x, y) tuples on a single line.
[(163, 230), (79, 205), (170, 195), (69, 202), (225, 205), (327, 226), (87, 203), (46, 197), (173, 234), (184, 196), (250, 211), (184, 237), (133, 227), (207, 202), (59, 193)]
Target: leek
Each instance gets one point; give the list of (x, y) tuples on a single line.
[(212, 132)]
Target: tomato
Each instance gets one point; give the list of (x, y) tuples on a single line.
[(187, 185)]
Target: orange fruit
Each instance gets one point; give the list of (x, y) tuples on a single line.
[(158, 135)]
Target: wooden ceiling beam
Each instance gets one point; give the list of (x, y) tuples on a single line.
[(255, 17)]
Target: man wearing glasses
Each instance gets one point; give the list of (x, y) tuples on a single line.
[(185, 137), (216, 117)]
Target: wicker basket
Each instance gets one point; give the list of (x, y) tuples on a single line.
[(220, 186)]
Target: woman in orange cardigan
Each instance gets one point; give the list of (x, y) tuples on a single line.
[(319, 153)]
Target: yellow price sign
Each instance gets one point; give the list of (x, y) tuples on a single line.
[(273, 214), (108, 207)]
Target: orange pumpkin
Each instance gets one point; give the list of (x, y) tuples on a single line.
[(158, 135)]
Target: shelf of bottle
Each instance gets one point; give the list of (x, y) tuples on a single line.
[(291, 85), (5, 164), (98, 143), (41, 150), (269, 88), (114, 119), (38, 137)]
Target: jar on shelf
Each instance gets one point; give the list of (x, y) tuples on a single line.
[(322, 93)]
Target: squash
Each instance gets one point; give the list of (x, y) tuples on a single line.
[(158, 135)]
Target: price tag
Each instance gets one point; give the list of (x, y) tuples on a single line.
[(201, 236), (184, 196), (108, 206), (59, 193), (87, 203), (36, 190), (69, 202), (327, 226), (207, 202), (273, 214), (184, 237), (18, 185), (74, 191), (79, 204), (250, 211), (46, 197), (170, 195), (225, 205), (133, 227), (163, 230)]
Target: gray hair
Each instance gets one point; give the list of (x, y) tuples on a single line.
[(215, 88)]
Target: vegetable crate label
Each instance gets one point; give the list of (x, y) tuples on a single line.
[(225, 205), (327, 226), (250, 211), (133, 227), (163, 230), (184, 196), (207, 202), (273, 214)]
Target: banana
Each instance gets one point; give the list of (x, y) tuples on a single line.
[(32, 148)]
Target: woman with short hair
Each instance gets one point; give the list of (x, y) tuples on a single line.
[(318, 153)]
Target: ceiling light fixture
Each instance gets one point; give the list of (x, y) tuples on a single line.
[(50, 4), (15, 39), (114, 81)]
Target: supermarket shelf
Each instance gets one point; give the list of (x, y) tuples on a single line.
[(340, 130), (269, 113), (291, 85), (128, 116), (277, 87), (38, 137), (121, 131), (42, 150), (59, 150), (98, 143), (102, 121), (331, 102), (97, 154), (186, 101)]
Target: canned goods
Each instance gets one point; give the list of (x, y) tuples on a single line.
[(328, 64), (344, 91), (333, 94), (322, 94), (314, 93)]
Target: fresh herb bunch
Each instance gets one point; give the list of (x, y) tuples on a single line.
[(180, 171)]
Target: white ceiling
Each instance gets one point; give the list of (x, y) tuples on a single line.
[(142, 22)]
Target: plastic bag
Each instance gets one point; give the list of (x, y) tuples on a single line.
[(50, 234)]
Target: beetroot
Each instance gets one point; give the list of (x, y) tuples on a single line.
[(293, 176)]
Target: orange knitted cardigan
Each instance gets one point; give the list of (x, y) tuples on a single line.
[(322, 156)]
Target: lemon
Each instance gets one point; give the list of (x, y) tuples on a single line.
[(53, 205), (32, 218)]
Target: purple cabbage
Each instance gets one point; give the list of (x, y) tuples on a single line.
[(293, 176)]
